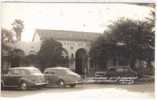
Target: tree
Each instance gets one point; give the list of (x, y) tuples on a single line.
[(7, 38), (7, 46), (18, 27), (50, 54), (150, 52), (30, 60), (10, 54), (136, 35), (127, 38), (100, 52), (17, 57)]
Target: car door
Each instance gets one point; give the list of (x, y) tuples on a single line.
[(12, 78), (51, 77)]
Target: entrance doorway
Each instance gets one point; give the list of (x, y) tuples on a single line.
[(81, 61)]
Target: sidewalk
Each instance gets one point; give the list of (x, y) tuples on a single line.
[(91, 80)]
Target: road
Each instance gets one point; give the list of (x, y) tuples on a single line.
[(85, 92)]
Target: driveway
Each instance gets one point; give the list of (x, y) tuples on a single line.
[(85, 92)]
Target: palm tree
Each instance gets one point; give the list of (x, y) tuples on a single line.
[(18, 28)]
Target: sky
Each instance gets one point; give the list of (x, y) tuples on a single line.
[(87, 17)]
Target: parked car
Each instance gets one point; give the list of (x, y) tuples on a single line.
[(62, 77), (120, 74), (121, 71), (23, 78)]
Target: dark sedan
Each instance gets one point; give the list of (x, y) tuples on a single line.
[(23, 78), (120, 74)]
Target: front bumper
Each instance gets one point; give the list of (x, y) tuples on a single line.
[(40, 84)]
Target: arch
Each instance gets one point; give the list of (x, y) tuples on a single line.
[(81, 61), (64, 52)]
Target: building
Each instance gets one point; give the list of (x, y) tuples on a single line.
[(76, 46)]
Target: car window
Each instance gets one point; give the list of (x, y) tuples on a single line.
[(62, 71), (112, 69), (14, 72), (34, 71), (57, 71), (50, 72), (24, 72)]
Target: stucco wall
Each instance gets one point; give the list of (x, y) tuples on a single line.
[(73, 46)]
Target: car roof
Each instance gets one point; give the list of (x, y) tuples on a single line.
[(28, 67), (62, 68)]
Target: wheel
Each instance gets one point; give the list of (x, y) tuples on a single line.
[(72, 85), (23, 86), (61, 83)]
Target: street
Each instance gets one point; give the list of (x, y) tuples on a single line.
[(85, 92)]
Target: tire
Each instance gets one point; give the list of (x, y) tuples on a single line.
[(61, 84), (72, 85), (23, 86)]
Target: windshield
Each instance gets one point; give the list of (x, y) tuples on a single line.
[(35, 71)]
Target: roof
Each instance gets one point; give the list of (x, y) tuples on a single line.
[(56, 68), (66, 35)]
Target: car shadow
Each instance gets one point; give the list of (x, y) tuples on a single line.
[(13, 92)]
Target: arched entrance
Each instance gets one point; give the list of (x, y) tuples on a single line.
[(81, 61)]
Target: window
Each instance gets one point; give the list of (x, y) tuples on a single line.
[(24, 72), (14, 72), (50, 72), (34, 71)]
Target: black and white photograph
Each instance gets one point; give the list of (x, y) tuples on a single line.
[(77, 50)]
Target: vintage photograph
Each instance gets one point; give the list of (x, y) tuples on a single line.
[(78, 51)]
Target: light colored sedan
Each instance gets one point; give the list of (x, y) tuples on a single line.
[(61, 76)]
